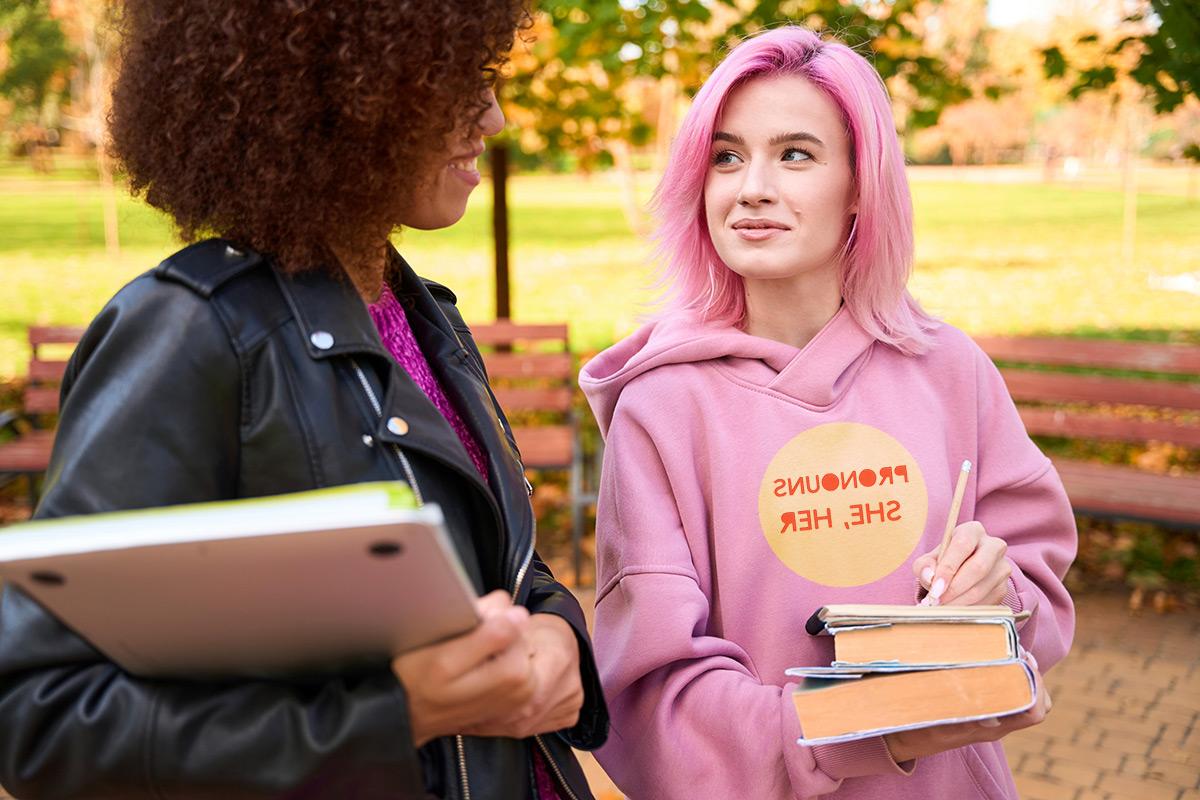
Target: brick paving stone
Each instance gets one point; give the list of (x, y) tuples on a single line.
[(1175, 733), (1100, 757), (1031, 787), (1136, 766), (1180, 774), (1166, 751), (1033, 764), (1073, 773), (1174, 715), (1140, 788), (1134, 743), (1065, 724), (1131, 727)]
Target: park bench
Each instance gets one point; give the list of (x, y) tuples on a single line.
[(532, 373), (530, 366), (28, 453), (1056, 399)]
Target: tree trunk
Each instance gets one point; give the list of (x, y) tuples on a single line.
[(623, 157), (498, 159)]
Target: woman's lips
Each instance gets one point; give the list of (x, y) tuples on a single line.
[(465, 170), (756, 230), (464, 165), (759, 234)]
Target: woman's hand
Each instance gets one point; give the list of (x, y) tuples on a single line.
[(973, 570), (558, 693), (906, 745), (461, 684)]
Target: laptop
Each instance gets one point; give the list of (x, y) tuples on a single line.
[(313, 582)]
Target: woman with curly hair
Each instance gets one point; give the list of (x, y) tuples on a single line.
[(295, 349)]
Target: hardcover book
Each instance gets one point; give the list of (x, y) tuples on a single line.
[(906, 667)]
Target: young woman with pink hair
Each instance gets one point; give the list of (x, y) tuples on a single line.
[(787, 434)]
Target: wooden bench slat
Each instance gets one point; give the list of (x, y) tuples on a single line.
[(546, 446), (40, 400), (1086, 425), (505, 332), (529, 365), (555, 399), (47, 370), (1181, 359), (1057, 387), (27, 453), (54, 334), (1126, 491)]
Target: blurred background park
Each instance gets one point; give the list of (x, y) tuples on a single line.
[(1055, 168)]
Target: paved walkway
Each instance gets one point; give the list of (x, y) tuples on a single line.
[(1126, 718)]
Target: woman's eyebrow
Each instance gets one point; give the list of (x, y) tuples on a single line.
[(800, 136)]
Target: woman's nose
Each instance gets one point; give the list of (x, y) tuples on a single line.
[(492, 121), (757, 185)]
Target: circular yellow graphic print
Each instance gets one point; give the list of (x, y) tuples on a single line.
[(843, 504)]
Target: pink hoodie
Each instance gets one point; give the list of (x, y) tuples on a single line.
[(747, 483)]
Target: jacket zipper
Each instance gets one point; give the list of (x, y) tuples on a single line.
[(537, 738), (557, 773), (462, 767), (520, 577), (412, 482)]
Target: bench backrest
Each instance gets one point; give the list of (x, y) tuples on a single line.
[(1065, 400), (49, 348), (532, 374)]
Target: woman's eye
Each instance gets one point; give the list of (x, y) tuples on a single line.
[(725, 157), (796, 154)]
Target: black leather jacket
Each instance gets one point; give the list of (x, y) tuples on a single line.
[(215, 376)]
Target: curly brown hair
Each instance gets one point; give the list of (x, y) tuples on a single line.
[(297, 127)]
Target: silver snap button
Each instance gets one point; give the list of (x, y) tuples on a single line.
[(322, 340), (368, 440), (397, 425)]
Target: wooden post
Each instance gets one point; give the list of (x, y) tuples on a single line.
[(498, 158), (1129, 189)]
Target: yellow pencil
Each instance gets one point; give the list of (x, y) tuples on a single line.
[(952, 521)]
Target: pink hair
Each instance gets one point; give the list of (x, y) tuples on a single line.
[(878, 255)]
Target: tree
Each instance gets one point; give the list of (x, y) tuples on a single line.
[(581, 86), (37, 54), (1160, 51)]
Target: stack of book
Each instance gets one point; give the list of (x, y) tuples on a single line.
[(905, 667)]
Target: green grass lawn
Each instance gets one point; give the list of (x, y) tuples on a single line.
[(991, 258)]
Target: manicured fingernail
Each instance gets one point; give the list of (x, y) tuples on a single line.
[(927, 575), (990, 722), (938, 587)]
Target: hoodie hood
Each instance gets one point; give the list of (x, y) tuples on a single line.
[(816, 375)]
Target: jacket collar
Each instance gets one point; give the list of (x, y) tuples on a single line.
[(330, 315)]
